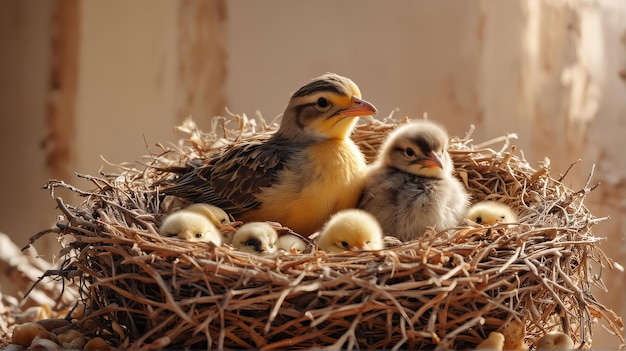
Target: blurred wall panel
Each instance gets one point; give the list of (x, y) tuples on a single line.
[(25, 58), (144, 67)]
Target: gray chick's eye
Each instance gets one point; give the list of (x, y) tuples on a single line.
[(409, 152)]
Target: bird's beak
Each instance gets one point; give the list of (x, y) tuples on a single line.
[(358, 107), (433, 160), (185, 235), (361, 247)]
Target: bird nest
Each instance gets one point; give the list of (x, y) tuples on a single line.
[(446, 290)]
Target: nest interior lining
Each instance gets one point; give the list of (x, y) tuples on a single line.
[(448, 290)]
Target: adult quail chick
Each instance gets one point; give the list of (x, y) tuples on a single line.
[(300, 175), (410, 186), (191, 226), (491, 212), (351, 230), (255, 237)]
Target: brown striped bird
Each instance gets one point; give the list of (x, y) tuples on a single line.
[(300, 175)]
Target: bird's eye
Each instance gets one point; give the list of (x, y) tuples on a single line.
[(198, 235), (345, 244), (409, 152), (250, 242), (479, 220), (323, 104)]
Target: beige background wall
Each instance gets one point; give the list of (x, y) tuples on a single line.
[(550, 70)]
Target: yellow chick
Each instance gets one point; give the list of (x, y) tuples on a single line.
[(490, 213), (291, 243), (351, 230), (411, 186), (554, 341), (192, 226), (299, 176), (218, 216), (495, 341), (208, 209), (255, 237), (514, 334)]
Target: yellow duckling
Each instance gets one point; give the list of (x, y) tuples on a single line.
[(193, 226), (255, 237), (490, 213), (351, 230), (554, 341), (291, 243)]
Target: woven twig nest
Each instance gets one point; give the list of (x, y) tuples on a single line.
[(448, 290)]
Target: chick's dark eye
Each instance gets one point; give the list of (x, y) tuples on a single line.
[(479, 220), (323, 102), (409, 152), (198, 235), (344, 244)]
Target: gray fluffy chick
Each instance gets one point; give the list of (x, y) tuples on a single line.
[(410, 187)]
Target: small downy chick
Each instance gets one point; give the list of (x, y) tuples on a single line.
[(290, 243), (411, 186), (192, 226), (490, 213), (514, 334), (351, 230), (216, 214), (495, 341), (207, 210), (255, 237), (554, 341)]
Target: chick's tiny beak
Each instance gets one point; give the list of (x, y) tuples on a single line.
[(361, 247), (358, 107), (433, 160)]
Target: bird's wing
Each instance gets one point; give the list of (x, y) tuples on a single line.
[(231, 179)]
